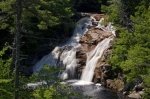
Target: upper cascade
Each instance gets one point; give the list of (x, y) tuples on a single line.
[(66, 53)]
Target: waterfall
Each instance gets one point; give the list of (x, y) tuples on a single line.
[(92, 59), (94, 56), (66, 52)]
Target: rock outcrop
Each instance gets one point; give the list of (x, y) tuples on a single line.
[(103, 72), (116, 84), (88, 42)]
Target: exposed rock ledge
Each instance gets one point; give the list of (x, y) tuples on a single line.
[(88, 42)]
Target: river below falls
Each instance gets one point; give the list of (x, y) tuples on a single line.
[(93, 91)]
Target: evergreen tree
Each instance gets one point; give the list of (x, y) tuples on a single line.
[(131, 51)]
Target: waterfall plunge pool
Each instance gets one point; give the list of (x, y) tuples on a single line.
[(94, 91)]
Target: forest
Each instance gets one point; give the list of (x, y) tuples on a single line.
[(31, 29)]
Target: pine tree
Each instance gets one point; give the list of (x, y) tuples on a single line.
[(17, 47)]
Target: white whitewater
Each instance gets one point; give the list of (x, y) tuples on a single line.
[(66, 52), (94, 56), (92, 59)]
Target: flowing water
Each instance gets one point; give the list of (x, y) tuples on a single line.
[(92, 59), (94, 56), (65, 54)]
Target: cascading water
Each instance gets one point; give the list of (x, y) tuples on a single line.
[(92, 59), (66, 52), (85, 84), (96, 54)]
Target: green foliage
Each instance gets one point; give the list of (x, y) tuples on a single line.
[(6, 88), (147, 84), (48, 74), (131, 51), (112, 10), (7, 16), (57, 91), (53, 89), (38, 17), (41, 20), (46, 13), (41, 13), (4, 64)]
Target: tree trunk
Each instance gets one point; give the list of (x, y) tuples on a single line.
[(17, 47)]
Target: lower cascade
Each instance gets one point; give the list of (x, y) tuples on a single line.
[(92, 59)]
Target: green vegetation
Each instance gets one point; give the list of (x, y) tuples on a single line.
[(53, 89), (131, 50), (6, 86), (44, 20), (41, 21), (39, 14)]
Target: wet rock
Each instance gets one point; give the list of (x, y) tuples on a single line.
[(136, 85), (102, 73), (115, 84), (97, 75), (135, 95), (137, 91), (106, 71), (81, 62), (134, 89), (129, 86), (98, 16), (92, 38), (81, 54)]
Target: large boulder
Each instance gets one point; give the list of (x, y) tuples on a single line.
[(92, 38)]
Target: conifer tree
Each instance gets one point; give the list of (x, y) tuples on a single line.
[(17, 47)]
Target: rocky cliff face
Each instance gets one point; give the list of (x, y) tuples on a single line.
[(88, 42), (103, 72)]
